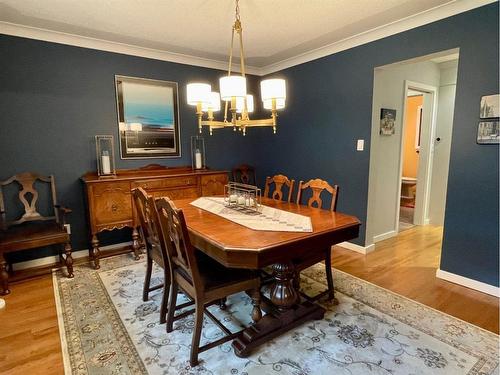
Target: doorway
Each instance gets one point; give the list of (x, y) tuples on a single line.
[(405, 192), (411, 149), (418, 128)]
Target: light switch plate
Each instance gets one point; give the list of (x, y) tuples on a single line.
[(361, 145)]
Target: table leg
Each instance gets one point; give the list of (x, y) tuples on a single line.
[(286, 312)]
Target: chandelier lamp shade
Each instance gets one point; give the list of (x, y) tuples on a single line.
[(238, 103)]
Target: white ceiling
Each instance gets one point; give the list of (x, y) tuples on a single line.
[(273, 30)]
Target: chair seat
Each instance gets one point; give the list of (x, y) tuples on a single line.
[(32, 234), (214, 275)]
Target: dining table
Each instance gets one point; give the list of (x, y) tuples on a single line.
[(238, 246)]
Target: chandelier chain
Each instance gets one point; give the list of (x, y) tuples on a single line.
[(237, 11)]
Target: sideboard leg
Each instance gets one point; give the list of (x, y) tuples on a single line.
[(136, 245), (95, 251)]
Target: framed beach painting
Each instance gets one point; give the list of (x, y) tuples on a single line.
[(148, 118)]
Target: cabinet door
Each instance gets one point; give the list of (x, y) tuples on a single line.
[(213, 184), (111, 204)]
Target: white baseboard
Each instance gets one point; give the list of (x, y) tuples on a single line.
[(384, 236), (55, 258), (357, 248), (469, 283)]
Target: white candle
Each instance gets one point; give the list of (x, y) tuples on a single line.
[(233, 198), (197, 156), (250, 202), (106, 165), (241, 200)]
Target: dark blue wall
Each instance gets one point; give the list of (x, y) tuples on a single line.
[(330, 107), (54, 99)]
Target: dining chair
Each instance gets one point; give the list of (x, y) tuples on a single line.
[(278, 181), (31, 218), (200, 277), (317, 187), (244, 174), (145, 208)]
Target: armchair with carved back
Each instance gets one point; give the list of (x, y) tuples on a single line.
[(32, 229), (317, 188)]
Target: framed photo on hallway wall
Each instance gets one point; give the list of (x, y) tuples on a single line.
[(387, 121), (148, 118)]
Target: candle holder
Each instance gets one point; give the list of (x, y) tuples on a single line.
[(198, 152), (242, 197), (105, 155)]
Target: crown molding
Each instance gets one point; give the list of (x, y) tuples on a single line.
[(109, 46), (431, 15), (428, 16)]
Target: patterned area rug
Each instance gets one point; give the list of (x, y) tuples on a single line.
[(106, 328)]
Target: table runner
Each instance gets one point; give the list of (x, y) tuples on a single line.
[(269, 218)]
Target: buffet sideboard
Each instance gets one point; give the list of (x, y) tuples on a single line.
[(110, 205)]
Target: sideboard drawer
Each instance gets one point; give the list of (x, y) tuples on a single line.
[(111, 202), (165, 183), (191, 192)]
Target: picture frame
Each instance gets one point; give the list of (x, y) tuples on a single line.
[(148, 118), (488, 132), (490, 106), (387, 121)]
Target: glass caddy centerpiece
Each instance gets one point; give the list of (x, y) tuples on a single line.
[(242, 197)]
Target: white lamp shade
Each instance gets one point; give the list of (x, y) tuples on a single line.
[(214, 104), (273, 89), (280, 104), (240, 104), (232, 86), (198, 93)]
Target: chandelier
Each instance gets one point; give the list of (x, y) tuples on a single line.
[(233, 91)]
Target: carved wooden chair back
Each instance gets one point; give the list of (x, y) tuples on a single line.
[(317, 186), (244, 174), (181, 253), (145, 208), (29, 197), (279, 181)]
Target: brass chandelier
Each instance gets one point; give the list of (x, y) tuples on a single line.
[(233, 91)]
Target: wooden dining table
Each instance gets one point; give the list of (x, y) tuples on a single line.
[(237, 246)]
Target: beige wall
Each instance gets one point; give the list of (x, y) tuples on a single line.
[(410, 156)]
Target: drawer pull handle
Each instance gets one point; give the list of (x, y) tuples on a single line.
[(114, 207)]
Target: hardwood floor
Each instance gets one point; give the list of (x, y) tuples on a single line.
[(29, 338), (407, 265)]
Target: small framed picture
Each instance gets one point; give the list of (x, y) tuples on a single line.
[(487, 132), (490, 106), (387, 121)]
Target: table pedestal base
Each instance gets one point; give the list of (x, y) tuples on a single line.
[(274, 324), (284, 312)]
